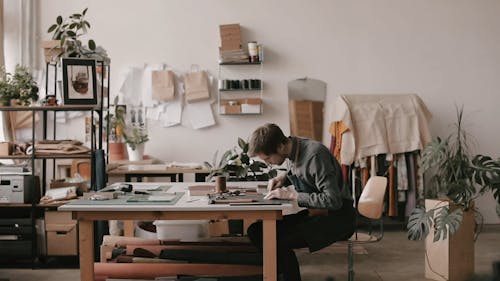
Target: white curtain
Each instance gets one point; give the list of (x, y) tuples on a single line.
[(20, 33), (5, 131), (18, 40)]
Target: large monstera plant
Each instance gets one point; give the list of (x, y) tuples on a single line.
[(458, 176)]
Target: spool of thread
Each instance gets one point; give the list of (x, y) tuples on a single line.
[(220, 184), (252, 49)]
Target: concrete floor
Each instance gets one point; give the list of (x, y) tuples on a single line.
[(393, 259)]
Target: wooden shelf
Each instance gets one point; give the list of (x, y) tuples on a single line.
[(51, 108), (15, 156), (241, 63)]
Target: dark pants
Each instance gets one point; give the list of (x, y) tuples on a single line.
[(296, 230), (288, 238)]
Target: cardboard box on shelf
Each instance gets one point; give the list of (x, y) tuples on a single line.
[(56, 217), (5, 148), (230, 35), (232, 109), (62, 239), (62, 234)]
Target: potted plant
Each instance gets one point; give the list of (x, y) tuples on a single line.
[(135, 137), (66, 33), (457, 177), (116, 123), (17, 89), (237, 165)]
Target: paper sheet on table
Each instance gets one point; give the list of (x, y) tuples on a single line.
[(200, 114)]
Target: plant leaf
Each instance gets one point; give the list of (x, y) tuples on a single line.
[(419, 223), (92, 45), (445, 221), (52, 28), (59, 20), (85, 11), (71, 33), (241, 143)]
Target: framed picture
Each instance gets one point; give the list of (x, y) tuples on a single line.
[(79, 81)]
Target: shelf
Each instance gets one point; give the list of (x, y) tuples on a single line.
[(240, 113), (240, 90), (241, 63), (65, 156), (15, 156), (51, 108), (8, 205)]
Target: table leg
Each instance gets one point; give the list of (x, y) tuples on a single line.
[(269, 250), (128, 228), (86, 231)]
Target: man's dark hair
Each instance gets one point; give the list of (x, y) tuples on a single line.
[(266, 140)]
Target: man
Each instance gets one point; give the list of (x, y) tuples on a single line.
[(317, 179)]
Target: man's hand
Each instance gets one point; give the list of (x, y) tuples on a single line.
[(282, 193), (276, 182)]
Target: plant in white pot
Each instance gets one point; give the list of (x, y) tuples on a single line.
[(457, 177), (135, 137)]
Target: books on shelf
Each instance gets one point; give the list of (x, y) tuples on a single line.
[(238, 55)]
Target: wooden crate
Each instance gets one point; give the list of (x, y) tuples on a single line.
[(306, 119)]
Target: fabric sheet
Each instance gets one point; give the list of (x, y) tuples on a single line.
[(381, 124)]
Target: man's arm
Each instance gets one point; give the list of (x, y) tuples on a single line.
[(322, 172)]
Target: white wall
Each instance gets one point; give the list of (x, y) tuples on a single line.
[(446, 51)]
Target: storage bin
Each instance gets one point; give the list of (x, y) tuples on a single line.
[(62, 239), (185, 230)]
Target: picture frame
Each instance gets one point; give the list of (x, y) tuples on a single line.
[(79, 81)]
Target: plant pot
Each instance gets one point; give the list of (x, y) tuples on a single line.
[(137, 154), (51, 50), (116, 151), (452, 258)]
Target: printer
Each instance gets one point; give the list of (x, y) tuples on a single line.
[(19, 189)]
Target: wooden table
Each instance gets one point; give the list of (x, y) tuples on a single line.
[(139, 171), (184, 209)]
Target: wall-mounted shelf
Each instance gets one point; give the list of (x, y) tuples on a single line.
[(241, 88)]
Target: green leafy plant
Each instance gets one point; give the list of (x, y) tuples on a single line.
[(134, 136), (20, 86), (458, 175), (69, 30), (236, 163)]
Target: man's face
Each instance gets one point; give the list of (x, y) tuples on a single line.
[(273, 159)]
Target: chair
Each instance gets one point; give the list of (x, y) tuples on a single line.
[(369, 206)]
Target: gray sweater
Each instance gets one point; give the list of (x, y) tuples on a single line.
[(319, 175)]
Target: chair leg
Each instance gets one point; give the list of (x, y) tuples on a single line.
[(350, 262)]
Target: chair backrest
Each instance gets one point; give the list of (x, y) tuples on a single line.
[(371, 201)]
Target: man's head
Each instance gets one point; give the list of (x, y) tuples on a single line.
[(269, 143)]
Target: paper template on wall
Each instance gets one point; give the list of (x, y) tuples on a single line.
[(131, 87), (154, 113), (173, 110), (200, 114)]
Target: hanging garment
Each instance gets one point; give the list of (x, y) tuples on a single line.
[(411, 194), (392, 191)]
